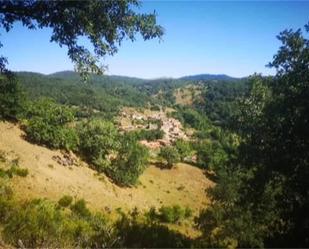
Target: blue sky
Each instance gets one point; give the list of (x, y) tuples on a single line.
[(235, 38)]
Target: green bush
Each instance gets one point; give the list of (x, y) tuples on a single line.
[(137, 234), (171, 214), (168, 214), (65, 201), (170, 155), (40, 223), (184, 148), (14, 170), (98, 138), (48, 123), (35, 224), (80, 208), (21, 172), (11, 97), (149, 135), (130, 163)]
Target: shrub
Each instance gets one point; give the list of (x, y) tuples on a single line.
[(184, 148), (65, 201), (21, 172), (170, 155), (11, 97), (14, 170), (149, 135), (35, 224), (40, 223), (130, 163), (80, 208), (171, 214), (136, 234), (47, 123), (97, 139), (188, 213)]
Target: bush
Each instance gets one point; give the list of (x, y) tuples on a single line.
[(11, 97), (65, 201), (170, 155), (14, 170), (35, 224), (168, 214), (184, 148), (136, 234), (98, 138), (149, 135), (47, 123), (80, 208), (211, 155), (40, 223), (171, 214), (21, 172), (130, 163)]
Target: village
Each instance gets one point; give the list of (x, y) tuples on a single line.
[(131, 119)]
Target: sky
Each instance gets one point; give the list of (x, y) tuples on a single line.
[(233, 38)]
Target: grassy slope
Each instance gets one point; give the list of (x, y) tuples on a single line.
[(184, 185)]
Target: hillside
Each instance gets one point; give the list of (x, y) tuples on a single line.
[(184, 185), (219, 77)]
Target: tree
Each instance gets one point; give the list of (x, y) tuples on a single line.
[(183, 147), (98, 138), (11, 97), (104, 23), (130, 163), (170, 155), (270, 198), (46, 122)]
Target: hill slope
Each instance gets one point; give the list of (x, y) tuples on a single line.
[(183, 185)]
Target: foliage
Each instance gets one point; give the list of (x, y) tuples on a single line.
[(80, 208), (149, 135), (190, 117), (168, 214), (137, 234), (65, 201), (104, 23), (39, 223), (102, 97), (48, 123), (130, 163), (219, 100), (98, 138), (184, 148), (170, 155), (11, 97), (171, 214), (261, 195)]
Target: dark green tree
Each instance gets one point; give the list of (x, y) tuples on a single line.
[(170, 155), (98, 138), (184, 148), (261, 195), (105, 23), (11, 97), (130, 163), (48, 123)]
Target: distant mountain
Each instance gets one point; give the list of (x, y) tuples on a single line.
[(209, 77), (71, 75)]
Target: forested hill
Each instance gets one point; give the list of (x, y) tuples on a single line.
[(106, 94), (219, 77)]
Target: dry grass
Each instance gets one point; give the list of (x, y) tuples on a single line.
[(184, 185), (187, 95)]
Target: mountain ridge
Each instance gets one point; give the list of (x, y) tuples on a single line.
[(194, 77)]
